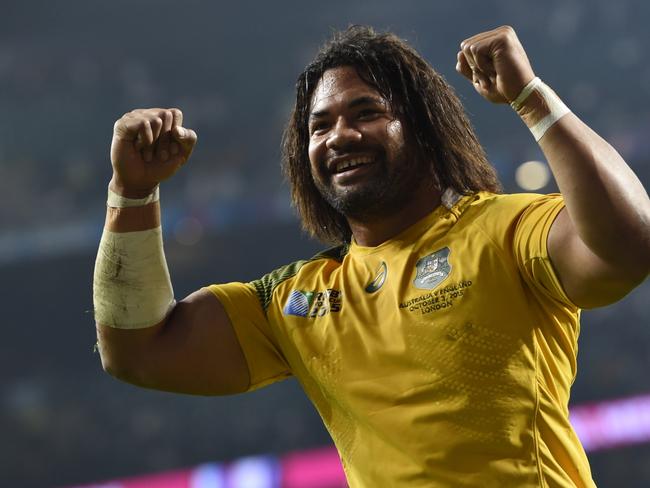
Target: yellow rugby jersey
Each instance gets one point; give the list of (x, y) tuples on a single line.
[(440, 358)]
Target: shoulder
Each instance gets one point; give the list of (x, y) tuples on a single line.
[(501, 211), (506, 219), (266, 285), (508, 202)]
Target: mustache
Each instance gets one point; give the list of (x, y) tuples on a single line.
[(331, 158)]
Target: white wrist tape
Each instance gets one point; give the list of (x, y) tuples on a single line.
[(557, 108), (131, 286), (118, 201), (525, 92)]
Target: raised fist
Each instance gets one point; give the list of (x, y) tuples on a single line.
[(496, 64), (149, 145)]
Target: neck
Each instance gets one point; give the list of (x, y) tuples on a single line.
[(370, 231)]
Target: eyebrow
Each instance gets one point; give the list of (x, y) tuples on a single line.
[(364, 100)]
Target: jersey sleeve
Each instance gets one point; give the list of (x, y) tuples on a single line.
[(530, 246), (266, 363)]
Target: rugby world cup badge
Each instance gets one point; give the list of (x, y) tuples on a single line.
[(432, 269), (299, 303)]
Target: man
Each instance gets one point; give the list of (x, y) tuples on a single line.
[(438, 338)]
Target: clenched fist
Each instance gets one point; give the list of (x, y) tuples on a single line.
[(496, 64), (149, 145)]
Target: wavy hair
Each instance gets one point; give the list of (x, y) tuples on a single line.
[(418, 96)]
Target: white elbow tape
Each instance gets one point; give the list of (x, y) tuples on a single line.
[(557, 108), (131, 286)]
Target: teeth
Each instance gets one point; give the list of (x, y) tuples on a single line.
[(342, 166)]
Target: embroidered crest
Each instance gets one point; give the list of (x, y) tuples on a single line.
[(432, 269)]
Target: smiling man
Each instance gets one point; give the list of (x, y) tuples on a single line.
[(360, 161), (438, 338)]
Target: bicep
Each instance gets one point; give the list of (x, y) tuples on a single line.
[(195, 350), (588, 280)]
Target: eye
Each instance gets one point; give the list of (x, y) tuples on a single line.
[(318, 128), (368, 113)]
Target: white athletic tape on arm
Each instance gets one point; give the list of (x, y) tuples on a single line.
[(131, 286), (118, 201), (525, 92), (557, 108)]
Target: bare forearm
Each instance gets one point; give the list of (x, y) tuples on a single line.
[(606, 202), (133, 219), (145, 337), (599, 245)]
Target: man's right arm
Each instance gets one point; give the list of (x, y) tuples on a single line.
[(193, 349)]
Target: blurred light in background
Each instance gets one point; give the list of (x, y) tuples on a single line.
[(318, 468), (251, 472), (613, 423), (188, 231), (532, 175)]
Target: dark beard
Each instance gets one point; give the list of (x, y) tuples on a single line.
[(385, 193)]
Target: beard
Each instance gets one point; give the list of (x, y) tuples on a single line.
[(385, 191)]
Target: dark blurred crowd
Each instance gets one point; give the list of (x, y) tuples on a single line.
[(68, 71)]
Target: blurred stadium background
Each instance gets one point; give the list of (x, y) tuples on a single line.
[(69, 69)]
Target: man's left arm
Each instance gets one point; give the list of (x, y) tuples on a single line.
[(600, 243)]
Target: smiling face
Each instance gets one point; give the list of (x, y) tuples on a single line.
[(360, 160)]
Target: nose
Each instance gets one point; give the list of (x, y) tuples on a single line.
[(342, 135)]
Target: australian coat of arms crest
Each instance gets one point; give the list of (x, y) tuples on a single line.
[(432, 269)]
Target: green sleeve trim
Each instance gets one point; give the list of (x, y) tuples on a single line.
[(266, 285), (337, 253)]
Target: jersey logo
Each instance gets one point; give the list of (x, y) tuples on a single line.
[(432, 269), (298, 303), (312, 304), (379, 279)]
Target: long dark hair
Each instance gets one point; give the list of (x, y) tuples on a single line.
[(419, 97)]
